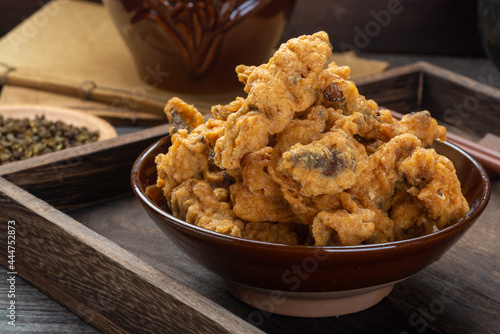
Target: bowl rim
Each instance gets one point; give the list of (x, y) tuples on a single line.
[(448, 231)]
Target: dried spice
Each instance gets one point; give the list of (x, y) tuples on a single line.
[(25, 138)]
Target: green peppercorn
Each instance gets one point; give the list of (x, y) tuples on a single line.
[(26, 138)]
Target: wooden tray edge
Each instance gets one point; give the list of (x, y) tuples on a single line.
[(78, 261)]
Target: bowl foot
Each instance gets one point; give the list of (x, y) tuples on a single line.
[(309, 304)]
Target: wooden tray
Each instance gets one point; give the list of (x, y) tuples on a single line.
[(106, 261), (464, 105)]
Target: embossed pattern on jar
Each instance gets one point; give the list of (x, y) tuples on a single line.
[(194, 46)]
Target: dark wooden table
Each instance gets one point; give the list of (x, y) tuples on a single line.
[(460, 293)]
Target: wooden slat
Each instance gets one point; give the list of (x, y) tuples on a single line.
[(108, 287), (461, 102), (38, 313)]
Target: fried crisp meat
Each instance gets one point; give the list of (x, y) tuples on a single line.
[(306, 159), (422, 125), (327, 165), (181, 115), (364, 117), (195, 202), (285, 85), (275, 92), (352, 224), (433, 181), (258, 208), (242, 135), (408, 214), (222, 112), (381, 175), (297, 132), (255, 175), (186, 158), (280, 233)]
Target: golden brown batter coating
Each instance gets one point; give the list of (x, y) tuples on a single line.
[(258, 198), (306, 208), (254, 173), (352, 224), (258, 208), (195, 202), (187, 158), (221, 112), (242, 135), (181, 115), (380, 176), (281, 233), (297, 132), (327, 165), (408, 214), (364, 117), (306, 159), (422, 125), (244, 71), (433, 181), (275, 92), (285, 85), (334, 89)]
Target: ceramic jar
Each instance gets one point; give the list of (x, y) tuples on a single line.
[(194, 46)]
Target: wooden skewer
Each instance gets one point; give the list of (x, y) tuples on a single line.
[(486, 160), (472, 145)]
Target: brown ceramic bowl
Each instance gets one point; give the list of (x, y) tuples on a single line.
[(312, 281)]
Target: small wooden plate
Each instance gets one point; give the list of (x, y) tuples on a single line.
[(68, 116)]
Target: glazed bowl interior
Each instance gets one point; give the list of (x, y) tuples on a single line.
[(311, 268)]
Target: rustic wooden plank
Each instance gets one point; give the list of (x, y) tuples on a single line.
[(36, 312), (461, 102), (84, 175), (104, 284)]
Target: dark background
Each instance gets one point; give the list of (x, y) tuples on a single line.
[(438, 27)]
